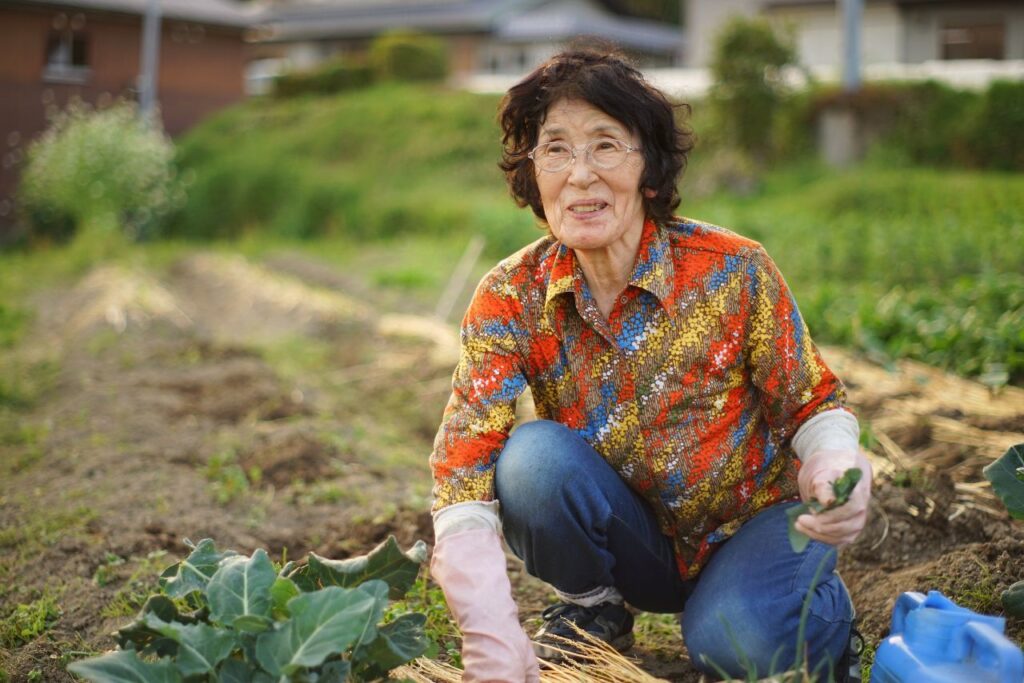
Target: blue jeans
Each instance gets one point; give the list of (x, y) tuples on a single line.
[(577, 525)]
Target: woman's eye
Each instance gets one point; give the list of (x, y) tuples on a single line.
[(605, 145), (558, 149)]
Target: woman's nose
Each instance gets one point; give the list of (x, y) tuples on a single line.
[(580, 173)]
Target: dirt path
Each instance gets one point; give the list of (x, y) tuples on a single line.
[(267, 407)]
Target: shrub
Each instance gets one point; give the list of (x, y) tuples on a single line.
[(996, 137), (932, 123), (98, 169), (333, 77), (746, 69), (409, 56)]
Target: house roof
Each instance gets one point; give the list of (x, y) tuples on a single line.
[(217, 12), (560, 21), (357, 18), (770, 4), (513, 20)]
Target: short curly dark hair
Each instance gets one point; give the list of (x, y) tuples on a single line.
[(604, 79)]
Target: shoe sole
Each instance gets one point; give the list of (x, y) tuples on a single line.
[(556, 654)]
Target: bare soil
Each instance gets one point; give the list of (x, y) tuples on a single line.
[(278, 406)]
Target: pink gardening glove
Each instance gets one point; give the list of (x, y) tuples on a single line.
[(843, 524), (470, 568)]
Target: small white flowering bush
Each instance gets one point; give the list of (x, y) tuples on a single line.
[(102, 169)]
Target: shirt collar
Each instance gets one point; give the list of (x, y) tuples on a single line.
[(653, 269)]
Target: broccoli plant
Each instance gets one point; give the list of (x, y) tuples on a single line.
[(1007, 478), (841, 489), (224, 617)]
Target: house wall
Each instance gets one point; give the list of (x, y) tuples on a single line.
[(704, 18), (923, 27), (201, 70), (818, 32)]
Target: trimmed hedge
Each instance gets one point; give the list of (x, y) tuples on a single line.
[(409, 56), (333, 77), (926, 123)]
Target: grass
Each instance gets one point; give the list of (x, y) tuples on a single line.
[(426, 598), (318, 166), (30, 620), (140, 584), (45, 528), (228, 481), (24, 443)]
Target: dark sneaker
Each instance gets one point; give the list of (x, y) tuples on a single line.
[(609, 622), (848, 670)]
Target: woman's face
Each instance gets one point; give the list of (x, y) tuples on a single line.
[(589, 208)]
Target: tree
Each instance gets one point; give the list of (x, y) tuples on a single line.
[(746, 68)]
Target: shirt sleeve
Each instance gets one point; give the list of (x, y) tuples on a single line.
[(481, 410), (793, 381)]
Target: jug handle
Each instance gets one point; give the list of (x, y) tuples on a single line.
[(991, 647), (906, 602)]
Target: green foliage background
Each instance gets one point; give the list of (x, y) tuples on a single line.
[(896, 259)]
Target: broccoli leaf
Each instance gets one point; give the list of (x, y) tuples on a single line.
[(386, 562), (195, 571), (125, 667), (323, 623), (841, 489), (401, 641), (239, 592), (1007, 477), (201, 647)]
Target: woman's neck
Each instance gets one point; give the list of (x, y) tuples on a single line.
[(607, 271)]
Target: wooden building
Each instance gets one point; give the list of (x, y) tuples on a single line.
[(54, 50)]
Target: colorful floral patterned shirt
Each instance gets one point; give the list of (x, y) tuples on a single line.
[(691, 389)]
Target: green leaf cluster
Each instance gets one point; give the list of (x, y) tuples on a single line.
[(223, 617), (841, 489)]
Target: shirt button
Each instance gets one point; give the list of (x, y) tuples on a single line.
[(623, 299)]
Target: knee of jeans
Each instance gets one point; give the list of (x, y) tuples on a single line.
[(725, 640), (527, 472), (741, 639)]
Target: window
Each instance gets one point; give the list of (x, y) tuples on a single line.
[(67, 56), (962, 40)]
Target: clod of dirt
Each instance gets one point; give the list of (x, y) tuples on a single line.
[(290, 454), (229, 391), (913, 435), (406, 525)]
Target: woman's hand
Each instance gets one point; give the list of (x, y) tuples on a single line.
[(843, 524), (470, 568)]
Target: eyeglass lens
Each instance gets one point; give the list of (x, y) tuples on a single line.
[(556, 156)]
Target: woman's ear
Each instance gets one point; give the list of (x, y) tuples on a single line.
[(649, 193)]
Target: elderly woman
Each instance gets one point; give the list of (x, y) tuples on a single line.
[(683, 408)]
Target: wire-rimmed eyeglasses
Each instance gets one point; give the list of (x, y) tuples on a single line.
[(603, 153)]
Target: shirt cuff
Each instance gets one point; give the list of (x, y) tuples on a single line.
[(831, 430), (465, 516)]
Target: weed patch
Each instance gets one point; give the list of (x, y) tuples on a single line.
[(427, 598), (130, 597), (29, 620), (24, 443), (24, 384), (13, 322), (228, 481), (44, 528)]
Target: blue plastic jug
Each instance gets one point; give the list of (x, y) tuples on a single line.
[(934, 640)]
